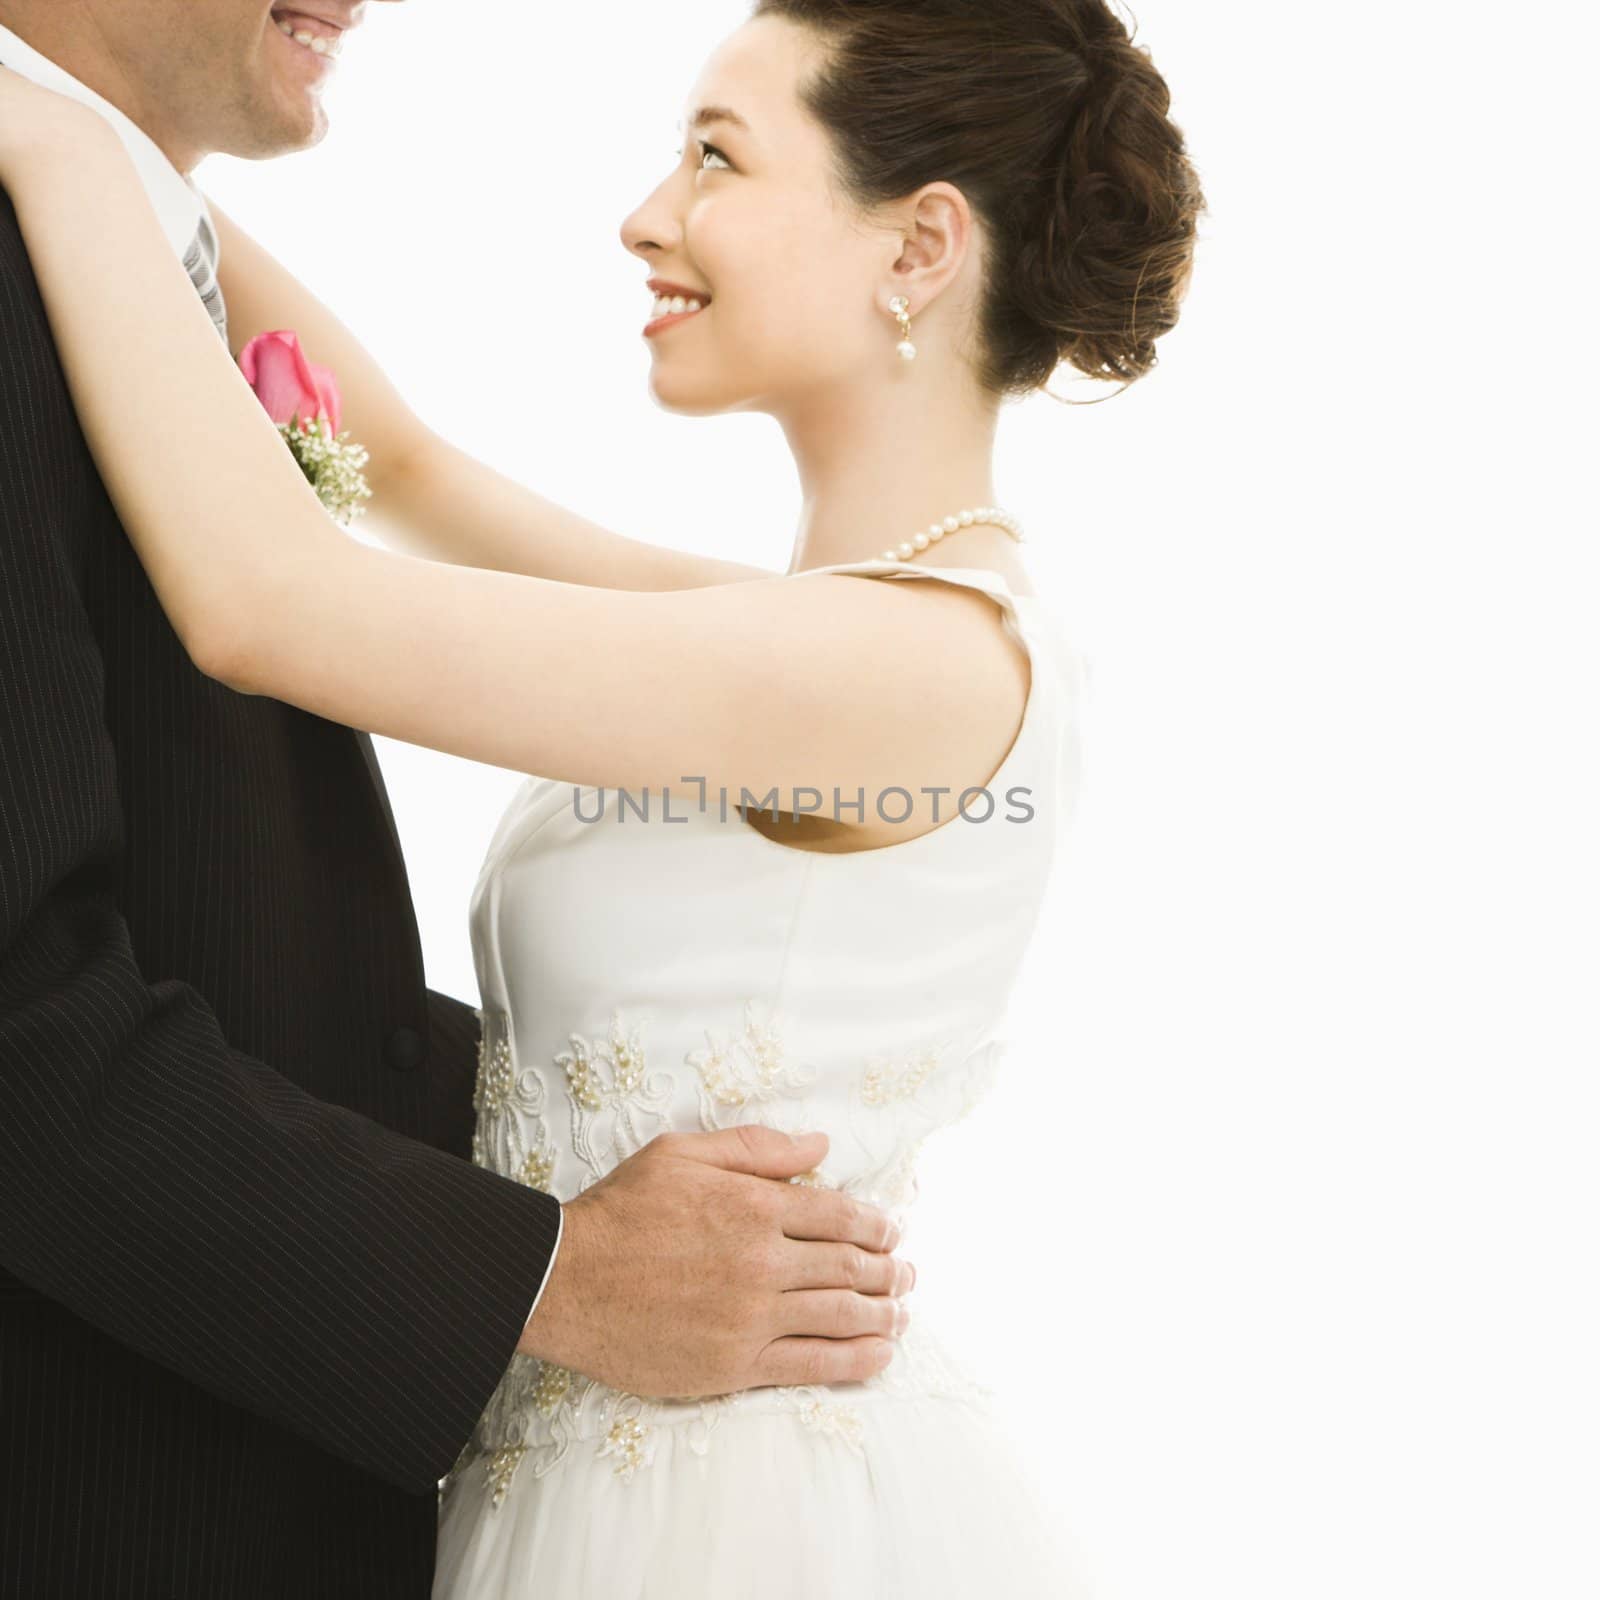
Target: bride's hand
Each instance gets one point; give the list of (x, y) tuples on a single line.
[(37, 123)]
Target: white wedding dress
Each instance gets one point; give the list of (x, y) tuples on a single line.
[(644, 975)]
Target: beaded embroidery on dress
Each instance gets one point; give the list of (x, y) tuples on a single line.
[(667, 966)]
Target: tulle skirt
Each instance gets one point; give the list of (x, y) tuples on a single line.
[(894, 1498)]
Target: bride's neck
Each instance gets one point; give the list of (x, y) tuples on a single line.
[(877, 468)]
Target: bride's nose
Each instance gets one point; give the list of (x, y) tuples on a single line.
[(653, 227)]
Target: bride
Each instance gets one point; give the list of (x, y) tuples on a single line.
[(887, 217)]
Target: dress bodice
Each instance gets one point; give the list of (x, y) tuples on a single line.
[(653, 962)]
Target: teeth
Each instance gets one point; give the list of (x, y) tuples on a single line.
[(314, 42), (675, 306)]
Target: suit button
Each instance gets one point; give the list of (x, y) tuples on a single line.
[(403, 1050)]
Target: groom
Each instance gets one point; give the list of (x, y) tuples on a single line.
[(253, 1293)]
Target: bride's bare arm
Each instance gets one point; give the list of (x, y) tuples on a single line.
[(811, 681), (430, 498)]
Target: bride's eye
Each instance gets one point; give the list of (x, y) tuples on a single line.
[(711, 150)]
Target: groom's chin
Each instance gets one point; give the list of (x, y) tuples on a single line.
[(282, 131), (292, 140), (304, 125), (317, 132), (281, 115)]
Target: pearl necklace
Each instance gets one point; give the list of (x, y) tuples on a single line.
[(983, 516)]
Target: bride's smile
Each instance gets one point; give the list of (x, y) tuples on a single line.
[(674, 303)]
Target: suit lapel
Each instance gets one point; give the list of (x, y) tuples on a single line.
[(370, 756)]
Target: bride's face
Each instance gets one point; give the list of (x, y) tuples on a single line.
[(751, 222)]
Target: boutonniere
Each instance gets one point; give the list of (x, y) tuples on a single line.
[(304, 402)]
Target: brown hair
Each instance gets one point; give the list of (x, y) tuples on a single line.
[(1054, 125)]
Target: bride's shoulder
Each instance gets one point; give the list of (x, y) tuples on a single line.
[(986, 667)]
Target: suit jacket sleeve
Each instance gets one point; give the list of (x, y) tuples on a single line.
[(453, 1029), (295, 1258)]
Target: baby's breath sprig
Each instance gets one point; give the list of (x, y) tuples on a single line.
[(332, 465)]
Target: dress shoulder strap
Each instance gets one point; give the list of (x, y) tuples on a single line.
[(991, 583)]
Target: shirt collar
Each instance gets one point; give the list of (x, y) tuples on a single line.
[(177, 202)]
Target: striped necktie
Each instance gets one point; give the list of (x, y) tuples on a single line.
[(200, 262)]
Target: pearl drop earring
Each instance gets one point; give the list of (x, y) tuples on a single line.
[(901, 308)]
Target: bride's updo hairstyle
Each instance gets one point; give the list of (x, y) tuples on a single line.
[(1055, 127)]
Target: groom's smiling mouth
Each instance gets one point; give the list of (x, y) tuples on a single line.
[(319, 35)]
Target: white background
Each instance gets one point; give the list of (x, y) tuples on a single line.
[(1279, 1238)]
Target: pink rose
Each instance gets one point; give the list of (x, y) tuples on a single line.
[(286, 383)]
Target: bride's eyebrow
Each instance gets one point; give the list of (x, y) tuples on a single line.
[(709, 114)]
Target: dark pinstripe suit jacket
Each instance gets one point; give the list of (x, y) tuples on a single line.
[(253, 1295)]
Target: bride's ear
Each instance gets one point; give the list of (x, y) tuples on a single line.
[(937, 235)]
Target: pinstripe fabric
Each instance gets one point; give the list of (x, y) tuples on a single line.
[(253, 1296)]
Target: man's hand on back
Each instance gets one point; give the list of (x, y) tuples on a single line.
[(696, 1268)]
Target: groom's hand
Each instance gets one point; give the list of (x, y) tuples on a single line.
[(697, 1268)]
